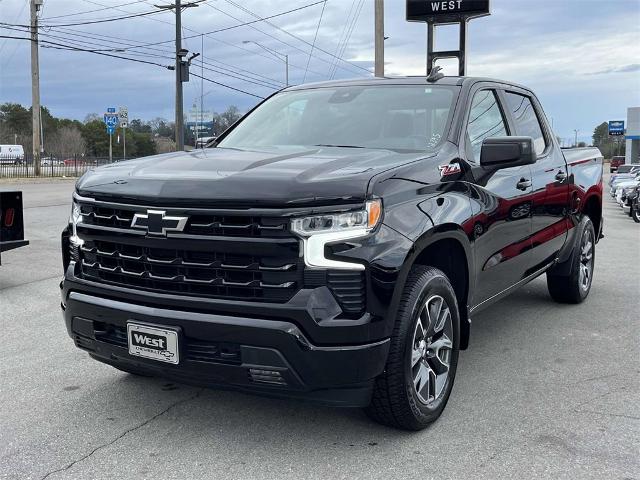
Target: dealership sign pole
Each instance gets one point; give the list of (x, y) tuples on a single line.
[(446, 12)]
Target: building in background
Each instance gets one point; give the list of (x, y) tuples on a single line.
[(632, 135)]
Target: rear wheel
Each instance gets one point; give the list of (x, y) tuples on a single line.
[(423, 356), (635, 212), (574, 286)]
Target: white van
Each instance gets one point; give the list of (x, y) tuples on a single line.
[(13, 154)]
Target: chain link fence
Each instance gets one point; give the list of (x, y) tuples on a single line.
[(50, 166)]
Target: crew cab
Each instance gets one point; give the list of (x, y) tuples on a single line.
[(334, 244)]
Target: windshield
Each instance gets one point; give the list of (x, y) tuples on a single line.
[(624, 169), (394, 117)]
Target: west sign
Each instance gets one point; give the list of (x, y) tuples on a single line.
[(440, 11)]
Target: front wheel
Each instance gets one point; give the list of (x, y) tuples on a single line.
[(635, 212), (574, 283), (423, 355)]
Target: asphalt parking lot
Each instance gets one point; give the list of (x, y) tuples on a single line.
[(544, 391)]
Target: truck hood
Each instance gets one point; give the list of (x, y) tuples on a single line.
[(269, 177)]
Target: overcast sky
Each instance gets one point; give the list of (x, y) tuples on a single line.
[(582, 57)]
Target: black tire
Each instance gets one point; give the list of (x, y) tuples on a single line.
[(571, 283), (635, 213), (396, 401)]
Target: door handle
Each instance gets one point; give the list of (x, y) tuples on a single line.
[(561, 176), (523, 184)]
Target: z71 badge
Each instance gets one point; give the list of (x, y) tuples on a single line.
[(450, 169)]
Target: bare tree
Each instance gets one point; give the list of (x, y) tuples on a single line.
[(66, 141)]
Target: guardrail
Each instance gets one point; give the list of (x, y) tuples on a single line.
[(50, 166)]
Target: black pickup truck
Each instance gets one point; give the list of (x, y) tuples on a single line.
[(334, 244)]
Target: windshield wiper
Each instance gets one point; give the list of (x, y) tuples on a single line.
[(337, 146)]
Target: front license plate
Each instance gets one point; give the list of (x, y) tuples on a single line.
[(156, 343)]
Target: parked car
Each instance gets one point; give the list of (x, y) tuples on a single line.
[(333, 244), (615, 163), (621, 180), (625, 171), (50, 160), (203, 141), (79, 162), (634, 201), (623, 190)]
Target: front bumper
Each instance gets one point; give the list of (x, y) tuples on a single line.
[(226, 351)]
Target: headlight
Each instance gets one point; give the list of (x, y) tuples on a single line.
[(365, 219), (74, 219), (318, 230)]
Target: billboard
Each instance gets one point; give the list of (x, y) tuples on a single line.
[(616, 127), (442, 11)]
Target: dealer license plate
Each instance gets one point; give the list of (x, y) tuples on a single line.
[(155, 343)]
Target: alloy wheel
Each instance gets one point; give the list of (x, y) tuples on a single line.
[(431, 349), (586, 260)]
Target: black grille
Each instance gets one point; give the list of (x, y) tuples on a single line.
[(196, 350), (198, 224), (228, 257)]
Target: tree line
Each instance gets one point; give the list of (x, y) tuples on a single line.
[(63, 136), (610, 146)]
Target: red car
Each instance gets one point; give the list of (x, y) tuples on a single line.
[(615, 163)]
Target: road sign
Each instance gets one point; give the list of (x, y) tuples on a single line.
[(441, 11), (111, 130), (111, 110), (616, 127), (123, 116), (195, 115), (111, 119)]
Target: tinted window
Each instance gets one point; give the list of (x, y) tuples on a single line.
[(624, 169), (527, 123), (485, 120), (413, 117)]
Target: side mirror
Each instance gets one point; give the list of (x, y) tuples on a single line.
[(505, 152)]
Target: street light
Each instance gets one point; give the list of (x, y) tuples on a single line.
[(278, 55)]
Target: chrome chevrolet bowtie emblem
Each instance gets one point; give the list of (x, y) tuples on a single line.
[(156, 222)]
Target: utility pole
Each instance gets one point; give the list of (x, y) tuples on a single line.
[(179, 99), (379, 38), (35, 87), (576, 141), (180, 67), (286, 62)]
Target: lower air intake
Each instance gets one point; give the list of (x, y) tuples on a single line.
[(271, 377)]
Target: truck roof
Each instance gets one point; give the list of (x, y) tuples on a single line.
[(410, 80)]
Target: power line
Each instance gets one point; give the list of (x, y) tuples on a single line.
[(344, 30), (315, 37), (265, 18), (228, 86), (59, 46), (304, 52), (127, 45), (105, 20), (94, 10), (348, 37), (294, 36)]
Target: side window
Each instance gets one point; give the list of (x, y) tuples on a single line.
[(485, 120), (526, 120)]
